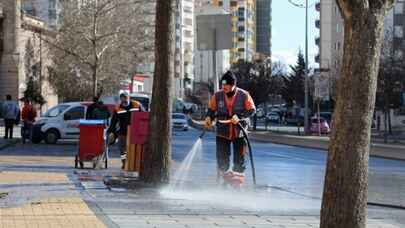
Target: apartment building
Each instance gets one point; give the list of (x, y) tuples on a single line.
[(47, 10), (18, 34), (332, 37), (244, 28), (263, 18), (184, 51)]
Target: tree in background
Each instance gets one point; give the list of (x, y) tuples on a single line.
[(390, 77), (294, 90), (98, 45), (32, 71), (256, 78), (278, 73), (344, 202)]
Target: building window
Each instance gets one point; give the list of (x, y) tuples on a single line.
[(399, 8), (188, 21), (188, 34), (188, 9), (220, 3), (188, 46), (234, 3), (241, 11), (52, 4), (241, 28), (398, 31)]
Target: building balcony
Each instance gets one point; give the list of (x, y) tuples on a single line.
[(318, 6), (317, 41), (317, 58), (318, 23)]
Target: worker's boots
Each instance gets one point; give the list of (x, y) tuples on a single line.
[(123, 163), (234, 179)]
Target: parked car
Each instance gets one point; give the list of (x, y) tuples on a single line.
[(294, 120), (61, 122), (324, 126), (327, 116), (260, 113), (180, 121), (273, 117)]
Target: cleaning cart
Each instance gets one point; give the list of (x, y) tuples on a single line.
[(93, 144)]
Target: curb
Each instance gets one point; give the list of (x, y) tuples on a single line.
[(376, 150), (8, 144), (394, 152)]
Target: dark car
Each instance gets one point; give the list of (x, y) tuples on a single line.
[(294, 120)]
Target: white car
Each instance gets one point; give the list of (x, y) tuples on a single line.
[(60, 122), (180, 121), (273, 117)]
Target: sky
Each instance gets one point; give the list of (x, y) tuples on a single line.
[(288, 31)]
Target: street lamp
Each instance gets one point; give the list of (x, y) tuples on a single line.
[(306, 62)]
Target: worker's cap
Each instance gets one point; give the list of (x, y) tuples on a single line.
[(228, 78), (124, 95)]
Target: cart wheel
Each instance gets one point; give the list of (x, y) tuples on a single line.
[(76, 161), (81, 165), (94, 165), (106, 163)]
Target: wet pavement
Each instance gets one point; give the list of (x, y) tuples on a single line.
[(289, 188)]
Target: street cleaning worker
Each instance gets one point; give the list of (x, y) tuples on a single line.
[(122, 118), (235, 104)]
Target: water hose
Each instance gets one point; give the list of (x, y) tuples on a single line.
[(252, 163), (245, 135)]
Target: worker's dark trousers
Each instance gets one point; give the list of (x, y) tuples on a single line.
[(224, 154)]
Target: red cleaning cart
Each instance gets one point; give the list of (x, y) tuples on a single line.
[(93, 146)]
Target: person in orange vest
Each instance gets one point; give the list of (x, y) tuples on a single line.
[(234, 104), (122, 118)]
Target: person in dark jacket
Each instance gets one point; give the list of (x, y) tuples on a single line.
[(11, 114), (122, 117), (97, 111), (236, 106)]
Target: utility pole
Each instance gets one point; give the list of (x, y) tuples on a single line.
[(306, 69)]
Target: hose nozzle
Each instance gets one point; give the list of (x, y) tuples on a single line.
[(202, 133)]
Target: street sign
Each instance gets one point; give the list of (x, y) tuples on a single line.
[(321, 86), (214, 32)]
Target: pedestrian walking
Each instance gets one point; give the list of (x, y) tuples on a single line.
[(122, 118), (235, 104), (28, 115), (10, 115)]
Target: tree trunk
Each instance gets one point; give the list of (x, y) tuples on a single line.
[(345, 192), (158, 148), (94, 79)]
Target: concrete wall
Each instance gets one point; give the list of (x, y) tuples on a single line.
[(12, 63), (10, 56)]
